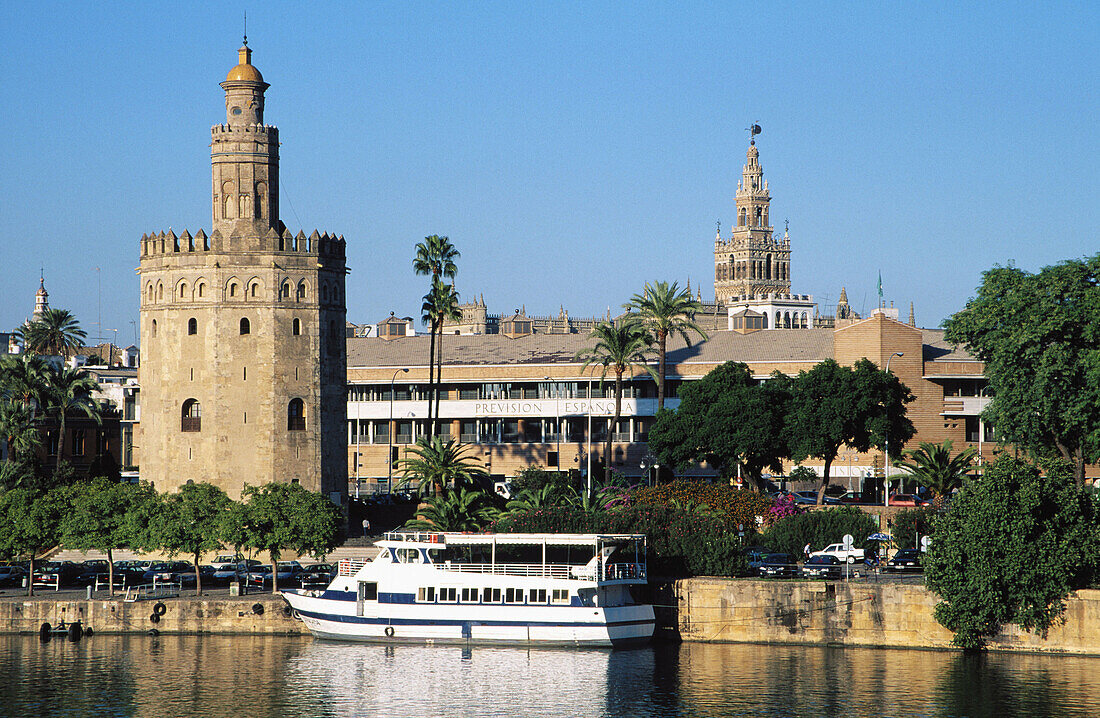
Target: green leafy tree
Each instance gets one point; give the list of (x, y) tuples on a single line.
[(25, 379), (618, 348), (97, 517), (665, 310), (534, 499), (54, 333), (190, 523), (1010, 549), (20, 434), (1039, 336), (287, 516), (436, 464), (933, 466), (727, 420), (435, 257), (29, 522), (440, 304), (832, 406), (535, 477), (907, 524), (459, 509)]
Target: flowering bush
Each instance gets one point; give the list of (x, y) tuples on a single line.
[(735, 505), (781, 508)]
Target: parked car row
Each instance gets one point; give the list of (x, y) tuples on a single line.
[(825, 564), (70, 574)]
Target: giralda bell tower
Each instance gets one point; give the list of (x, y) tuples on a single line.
[(242, 331)]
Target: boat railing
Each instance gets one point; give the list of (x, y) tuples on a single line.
[(350, 566), (415, 536), (528, 570), (624, 571)]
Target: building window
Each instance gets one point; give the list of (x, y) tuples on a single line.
[(191, 416), (296, 415), (192, 326), (404, 432), (246, 328), (284, 291), (301, 291), (511, 431), (296, 327), (254, 290), (153, 331), (201, 290)]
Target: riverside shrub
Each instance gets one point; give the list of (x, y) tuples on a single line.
[(819, 529), (679, 542), (736, 505), (908, 523)]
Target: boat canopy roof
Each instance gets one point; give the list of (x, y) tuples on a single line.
[(440, 539)]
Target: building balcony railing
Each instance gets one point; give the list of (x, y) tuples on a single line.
[(191, 423), (403, 439)]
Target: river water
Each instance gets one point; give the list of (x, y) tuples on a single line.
[(208, 676)]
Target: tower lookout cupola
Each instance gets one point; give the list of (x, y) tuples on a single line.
[(244, 154)]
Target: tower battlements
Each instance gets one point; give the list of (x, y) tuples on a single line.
[(322, 245)]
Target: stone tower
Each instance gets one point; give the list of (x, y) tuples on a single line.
[(41, 299), (242, 331), (751, 262)]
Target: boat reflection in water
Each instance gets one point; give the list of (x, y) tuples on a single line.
[(415, 680)]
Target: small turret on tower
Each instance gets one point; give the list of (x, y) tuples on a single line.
[(41, 299)]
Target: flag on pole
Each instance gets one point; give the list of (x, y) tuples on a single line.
[(880, 287)]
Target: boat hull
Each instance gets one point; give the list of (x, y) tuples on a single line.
[(331, 619)]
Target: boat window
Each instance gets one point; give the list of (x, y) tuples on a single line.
[(491, 595), (469, 595), (426, 594), (448, 594), (385, 556), (559, 595), (368, 590), (513, 595), (536, 595), (408, 555)]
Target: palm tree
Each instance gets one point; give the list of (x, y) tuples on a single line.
[(440, 304), (70, 390), (18, 431), (933, 466), (437, 464), (435, 257), (25, 379), (618, 348), (54, 333), (529, 500), (456, 510), (448, 309), (665, 309)]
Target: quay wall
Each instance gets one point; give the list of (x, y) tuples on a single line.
[(880, 614), (256, 615)]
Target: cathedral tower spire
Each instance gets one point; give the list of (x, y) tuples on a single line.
[(752, 262)]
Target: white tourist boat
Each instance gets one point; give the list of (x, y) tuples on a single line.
[(552, 589)]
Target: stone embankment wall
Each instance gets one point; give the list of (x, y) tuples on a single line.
[(850, 614), (264, 614)]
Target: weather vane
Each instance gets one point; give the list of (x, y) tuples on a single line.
[(753, 130), (245, 27)]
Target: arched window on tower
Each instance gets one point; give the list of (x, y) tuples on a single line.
[(778, 320), (741, 218), (296, 327), (192, 326), (759, 216), (160, 292), (183, 291), (284, 291), (153, 329), (254, 290), (191, 416), (324, 292), (301, 291), (246, 328), (296, 415), (765, 317), (804, 324), (233, 289), (201, 290)]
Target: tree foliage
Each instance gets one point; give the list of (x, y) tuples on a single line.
[(1039, 336), (726, 419), (832, 406), (435, 257), (1010, 549), (664, 309), (29, 522), (55, 332), (287, 516), (189, 523), (97, 516), (907, 524), (819, 528)]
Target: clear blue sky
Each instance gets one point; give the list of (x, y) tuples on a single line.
[(571, 151)]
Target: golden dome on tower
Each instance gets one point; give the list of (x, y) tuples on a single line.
[(244, 71)]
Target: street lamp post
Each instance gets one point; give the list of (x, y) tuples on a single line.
[(389, 434), (886, 467)]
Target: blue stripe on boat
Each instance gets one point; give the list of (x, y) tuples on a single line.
[(338, 618)]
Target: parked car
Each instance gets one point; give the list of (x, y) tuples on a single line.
[(777, 565), (48, 574), (810, 497), (316, 575), (823, 566), (233, 572), (851, 497), (92, 570), (12, 575), (842, 554), (170, 572), (754, 555), (226, 560), (907, 559), (907, 500)]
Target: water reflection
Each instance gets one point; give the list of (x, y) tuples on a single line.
[(281, 676)]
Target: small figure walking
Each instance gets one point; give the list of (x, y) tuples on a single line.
[(366, 527), (806, 550)]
